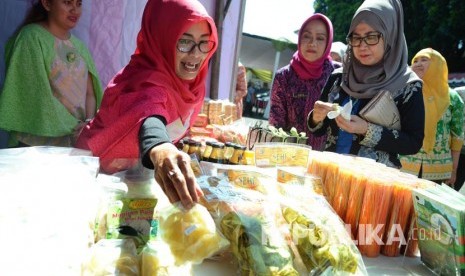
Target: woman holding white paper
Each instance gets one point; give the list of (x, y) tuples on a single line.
[(376, 60)]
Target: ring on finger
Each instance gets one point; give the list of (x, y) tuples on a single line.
[(172, 173)]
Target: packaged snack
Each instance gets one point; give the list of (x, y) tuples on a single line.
[(190, 234), (157, 260), (112, 257), (248, 221)]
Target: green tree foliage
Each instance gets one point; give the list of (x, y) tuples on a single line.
[(340, 12), (439, 24)]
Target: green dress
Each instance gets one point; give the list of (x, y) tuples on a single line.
[(28, 104)]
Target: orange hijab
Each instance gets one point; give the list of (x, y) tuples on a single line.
[(435, 94), (148, 85)]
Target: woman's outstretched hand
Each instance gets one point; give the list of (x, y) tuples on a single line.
[(174, 174)]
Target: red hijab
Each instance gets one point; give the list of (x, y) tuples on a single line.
[(148, 85), (312, 70)]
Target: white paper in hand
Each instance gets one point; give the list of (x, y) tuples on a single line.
[(344, 111)]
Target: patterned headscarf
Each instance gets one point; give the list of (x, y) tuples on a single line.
[(435, 93), (312, 70), (392, 73)]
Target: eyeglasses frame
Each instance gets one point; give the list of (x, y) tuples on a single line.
[(364, 39), (196, 45)]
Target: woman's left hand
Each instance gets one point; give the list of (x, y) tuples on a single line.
[(356, 124), (452, 179)]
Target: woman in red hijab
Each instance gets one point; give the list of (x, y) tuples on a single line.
[(153, 101)]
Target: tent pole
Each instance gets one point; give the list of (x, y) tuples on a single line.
[(276, 64), (215, 66), (266, 114), (237, 51)]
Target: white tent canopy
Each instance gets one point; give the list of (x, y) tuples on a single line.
[(259, 53)]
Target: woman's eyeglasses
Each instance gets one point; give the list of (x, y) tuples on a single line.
[(371, 39), (308, 40), (187, 45)]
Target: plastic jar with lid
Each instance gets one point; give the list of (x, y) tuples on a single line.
[(208, 150), (217, 155), (185, 145), (228, 151), (236, 158), (194, 148)]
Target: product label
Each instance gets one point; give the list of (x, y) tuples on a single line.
[(282, 155), (132, 218)]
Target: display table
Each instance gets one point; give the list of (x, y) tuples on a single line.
[(36, 193), (381, 265)]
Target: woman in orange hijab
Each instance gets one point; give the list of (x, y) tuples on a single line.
[(438, 158), (151, 103)]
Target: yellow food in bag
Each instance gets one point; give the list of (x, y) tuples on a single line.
[(191, 234)]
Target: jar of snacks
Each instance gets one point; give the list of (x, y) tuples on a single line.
[(236, 158), (217, 155), (208, 151)]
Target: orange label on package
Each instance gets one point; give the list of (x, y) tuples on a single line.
[(142, 203), (245, 179), (285, 177), (282, 155)]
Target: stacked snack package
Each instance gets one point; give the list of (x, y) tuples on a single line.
[(215, 110), (320, 165), (278, 231), (374, 201), (220, 112), (318, 234), (373, 215), (247, 219), (330, 180), (342, 190), (401, 208), (362, 168), (230, 112), (235, 132), (205, 106), (354, 205), (411, 249)]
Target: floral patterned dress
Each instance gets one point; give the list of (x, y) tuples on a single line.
[(292, 98), (437, 165)]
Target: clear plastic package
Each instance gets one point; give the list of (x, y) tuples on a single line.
[(191, 234)]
